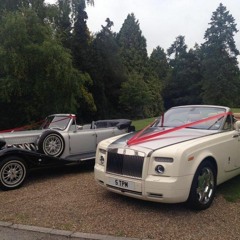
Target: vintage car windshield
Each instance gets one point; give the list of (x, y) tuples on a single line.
[(178, 116), (56, 122)]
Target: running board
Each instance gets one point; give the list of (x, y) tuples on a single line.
[(81, 157)]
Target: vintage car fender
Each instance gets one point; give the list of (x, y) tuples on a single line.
[(15, 164)]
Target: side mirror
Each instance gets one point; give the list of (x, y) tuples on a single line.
[(237, 125)]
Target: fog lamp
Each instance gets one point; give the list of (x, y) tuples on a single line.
[(102, 160), (159, 169)]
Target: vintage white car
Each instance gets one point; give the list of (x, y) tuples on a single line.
[(181, 157), (59, 141)]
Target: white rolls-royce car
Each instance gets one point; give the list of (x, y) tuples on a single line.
[(181, 157)]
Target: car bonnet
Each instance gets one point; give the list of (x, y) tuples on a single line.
[(163, 140)]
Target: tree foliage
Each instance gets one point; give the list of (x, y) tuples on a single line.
[(133, 51), (133, 48), (220, 67), (184, 81), (36, 71), (158, 63), (50, 62), (135, 96), (107, 71)]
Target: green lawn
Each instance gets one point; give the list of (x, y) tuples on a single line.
[(230, 189), (235, 110), (140, 124)]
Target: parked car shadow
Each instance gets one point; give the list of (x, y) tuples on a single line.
[(59, 171)]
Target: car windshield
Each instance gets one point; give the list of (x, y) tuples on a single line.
[(56, 122), (179, 116)]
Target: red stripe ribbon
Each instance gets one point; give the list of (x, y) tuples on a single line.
[(30, 126), (147, 137)]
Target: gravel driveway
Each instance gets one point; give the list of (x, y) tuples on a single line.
[(69, 199)]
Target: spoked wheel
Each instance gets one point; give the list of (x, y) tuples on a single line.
[(51, 143), (203, 187), (13, 172)]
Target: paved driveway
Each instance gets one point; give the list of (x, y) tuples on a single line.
[(69, 199)]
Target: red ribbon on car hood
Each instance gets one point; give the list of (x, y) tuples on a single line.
[(147, 137)]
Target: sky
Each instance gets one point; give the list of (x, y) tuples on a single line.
[(162, 21)]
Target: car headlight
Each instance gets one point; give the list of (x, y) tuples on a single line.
[(160, 169), (163, 159), (102, 156)]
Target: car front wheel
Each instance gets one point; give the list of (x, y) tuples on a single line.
[(203, 187), (13, 171)]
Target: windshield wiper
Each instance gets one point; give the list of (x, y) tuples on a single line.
[(194, 127)]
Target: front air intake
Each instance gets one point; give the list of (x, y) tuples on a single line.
[(123, 164)]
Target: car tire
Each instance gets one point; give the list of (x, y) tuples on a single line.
[(203, 187), (51, 143), (13, 172)]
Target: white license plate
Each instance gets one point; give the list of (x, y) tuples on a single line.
[(121, 183)]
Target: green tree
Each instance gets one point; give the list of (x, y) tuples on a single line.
[(63, 22), (135, 96), (36, 73), (157, 72), (107, 72), (183, 85), (70, 22), (39, 6), (132, 43), (154, 101), (70, 26), (158, 63), (220, 67), (133, 51), (81, 37)]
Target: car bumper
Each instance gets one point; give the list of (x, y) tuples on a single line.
[(152, 188)]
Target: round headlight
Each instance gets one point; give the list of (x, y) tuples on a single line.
[(159, 169)]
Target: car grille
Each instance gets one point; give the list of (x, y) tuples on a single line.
[(123, 164)]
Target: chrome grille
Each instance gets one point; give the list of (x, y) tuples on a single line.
[(129, 165)]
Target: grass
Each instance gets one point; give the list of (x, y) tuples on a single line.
[(235, 110), (230, 189), (140, 124)]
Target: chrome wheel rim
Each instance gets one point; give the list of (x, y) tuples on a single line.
[(13, 173), (53, 145), (205, 185)]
